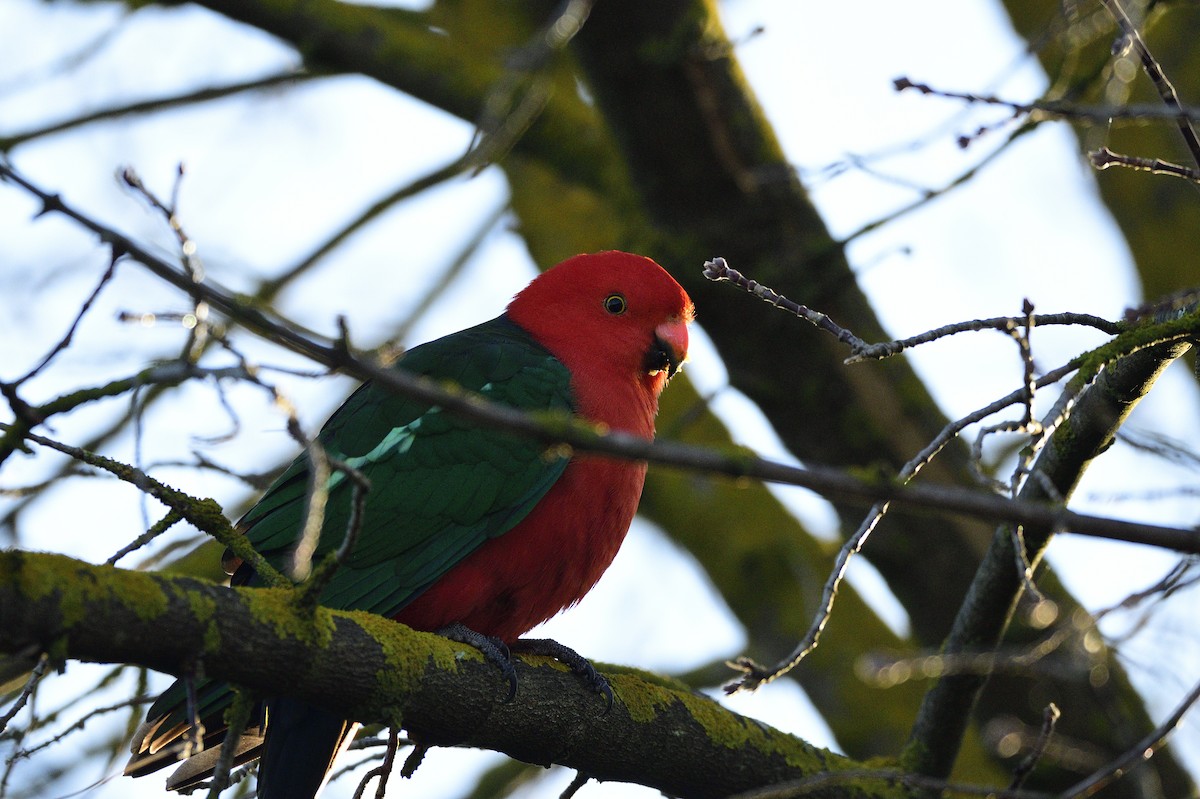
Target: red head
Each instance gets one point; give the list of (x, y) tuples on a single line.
[(619, 323)]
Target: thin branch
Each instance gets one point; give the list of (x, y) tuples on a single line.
[(65, 341), (317, 579), (1179, 577), (429, 180), (1104, 158), (1141, 751), (156, 105), (755, 674), (1155, 72), (1057, 109), (927, 194), (35, 676), (78, 57), (718, 269), (237, 718), (300, 566), (1050, 718), (582, 436), (80, 723), (501, 125), (577, 783), (170, 373), (890, 672), (196, 322), (384, 769)]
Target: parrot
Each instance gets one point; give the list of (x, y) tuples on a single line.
[(466, 531)]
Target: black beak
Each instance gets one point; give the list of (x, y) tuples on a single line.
[(662, 358)]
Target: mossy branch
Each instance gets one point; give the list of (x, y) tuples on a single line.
[(376, 670)]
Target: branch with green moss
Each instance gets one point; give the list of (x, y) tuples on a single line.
[(657, 734)]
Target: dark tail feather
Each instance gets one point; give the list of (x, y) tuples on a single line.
[(299, 750)]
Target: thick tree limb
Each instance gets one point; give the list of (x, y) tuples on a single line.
[(372, 669)]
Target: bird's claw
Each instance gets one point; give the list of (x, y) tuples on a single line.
[(571, 659), (499, 653), (494, 651)]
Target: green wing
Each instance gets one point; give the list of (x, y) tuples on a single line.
[(440, 485)]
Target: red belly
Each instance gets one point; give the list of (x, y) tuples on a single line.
[(544, 564)]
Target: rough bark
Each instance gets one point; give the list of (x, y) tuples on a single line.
[(657, 733)]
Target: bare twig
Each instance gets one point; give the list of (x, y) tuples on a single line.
[(927, 194), (358, 507), (517, 99), (718, 269), (1141, 751), (318, 578), (1180, 576), (170, 373), (65, 341), (1049, 718), (1056, 109), (1105, 158), (81, 723), (237, 717), (197, 321), (1155, 72), (1038, 435), (889, 672), (754, 674), (383, 770), (300, 567), (577, 783), (155, 105), (1023, 342), (501, 124), (35, 676)]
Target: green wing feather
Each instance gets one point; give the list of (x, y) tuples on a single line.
[(440, 485)]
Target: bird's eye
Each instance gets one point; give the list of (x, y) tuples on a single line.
[(615, 304)]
